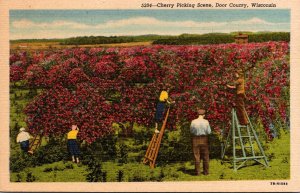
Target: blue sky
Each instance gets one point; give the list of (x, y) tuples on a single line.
[(25, 24)]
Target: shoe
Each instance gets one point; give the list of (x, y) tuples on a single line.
[(31, 152), (156, 131)]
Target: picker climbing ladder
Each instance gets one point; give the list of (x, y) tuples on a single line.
[(153, 148), (246, 137)]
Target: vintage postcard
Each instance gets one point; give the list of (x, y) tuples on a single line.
[(189, 96)]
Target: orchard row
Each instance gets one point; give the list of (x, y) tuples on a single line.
[(96, 87)]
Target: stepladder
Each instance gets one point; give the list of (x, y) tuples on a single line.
[(154, 146), (36, 142), (245, 143)]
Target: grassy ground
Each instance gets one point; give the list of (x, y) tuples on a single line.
[(277, 151)]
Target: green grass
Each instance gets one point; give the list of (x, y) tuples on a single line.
[(59, 172), (277, 151)]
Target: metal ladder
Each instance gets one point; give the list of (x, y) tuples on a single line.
[(153, 148), (246, 137)]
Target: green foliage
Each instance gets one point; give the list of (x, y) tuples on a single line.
[(104, 176), (176, 146), (85, 40), (32, 93), (69, 166), (222, 38), (138, 177), (59, 168), (197, 39), (102, 149), (54, 151), (66, 175), (35, 40), (120, 176), (186, 39), (94, 169), (20, 161), (30, 177), (95, 172), (48, 170), (122, 153), (19, 177), (161, 175), (273, 36), (278, 152)]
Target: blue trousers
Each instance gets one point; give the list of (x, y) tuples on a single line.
[(73, 147), (24, 145)]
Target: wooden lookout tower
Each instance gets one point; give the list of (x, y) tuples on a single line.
[(241, 38)]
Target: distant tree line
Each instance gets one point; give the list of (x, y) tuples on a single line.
[(36, 40), (274, 36), (184, 39), (86, 40), (221, 38)]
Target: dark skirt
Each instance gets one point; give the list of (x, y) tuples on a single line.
[(25, 145), (160, 109), (73, 147)]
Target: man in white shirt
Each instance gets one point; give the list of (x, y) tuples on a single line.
[(200, 129), (23, 138)]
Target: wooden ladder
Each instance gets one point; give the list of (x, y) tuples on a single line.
[(36, 142), (153, 148)]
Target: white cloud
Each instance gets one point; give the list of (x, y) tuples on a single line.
[(26, 29), (138, 21), (252, 21), (25, 24), (149, 21)]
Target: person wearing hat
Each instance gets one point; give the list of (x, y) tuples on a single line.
[(239, 85), (72, 143), (200, 129), (23, 138), (161, 105)]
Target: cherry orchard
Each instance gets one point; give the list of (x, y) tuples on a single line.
[(96, 87)]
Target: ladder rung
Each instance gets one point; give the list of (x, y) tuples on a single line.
[(244, 132), (253, 157), (149, 158), (243, 136)]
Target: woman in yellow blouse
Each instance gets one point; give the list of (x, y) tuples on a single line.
[(72, 143)]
